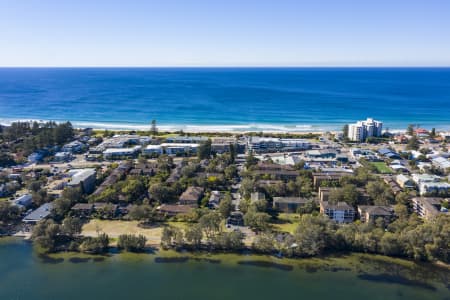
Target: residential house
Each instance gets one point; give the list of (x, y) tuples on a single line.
[(434, 188), (370, 213), (62, 156), (174, 209), (324, 192), (191, 196), (392, 183), (73, 147), (441, 163), (116, 175), (330, 178), (83, 210), (340, 212), (35, 157), (275, 171), (85, 178), (404, 182), (389, 153), (23, 201), (427, 207), (38, 214)]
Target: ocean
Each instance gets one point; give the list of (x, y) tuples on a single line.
[(232, 99)]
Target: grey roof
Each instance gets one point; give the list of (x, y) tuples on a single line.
[(377, 210), (82, 176), (40, 213), (336, 206)]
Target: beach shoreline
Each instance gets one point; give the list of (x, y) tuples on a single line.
[(237, 129)]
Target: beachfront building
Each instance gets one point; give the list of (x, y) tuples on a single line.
[(119, 153), (152, 149), (179, 148), (263, 144), (186, 139), (361, 130)]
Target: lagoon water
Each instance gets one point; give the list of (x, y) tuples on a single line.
[(286, 99), (25, 275)]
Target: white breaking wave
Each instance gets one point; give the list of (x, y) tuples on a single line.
[(192, 127), (253, 127)]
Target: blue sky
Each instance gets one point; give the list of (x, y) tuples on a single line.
[(225, 33)]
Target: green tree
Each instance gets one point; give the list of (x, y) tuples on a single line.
[(131, 243), (194, 235), (95, 245), (210, 224), (229, 240), (312, 235), (410, 130), (250, 160), (71, 226), (264, 243), (8, 213), (133, 190), (379, 192), (225, 206), (154, 129), (413, 143), (258, 221), (204, 150)]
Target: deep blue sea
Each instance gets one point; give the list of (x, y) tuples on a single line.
[(286, 99)]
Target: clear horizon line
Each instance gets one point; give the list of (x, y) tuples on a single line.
[(229, 66)]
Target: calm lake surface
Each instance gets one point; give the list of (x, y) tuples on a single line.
[(25, 275)]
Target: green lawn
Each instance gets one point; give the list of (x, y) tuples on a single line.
[(381, 167), (286, 222)]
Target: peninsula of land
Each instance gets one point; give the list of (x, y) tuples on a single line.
[(362, 189)]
